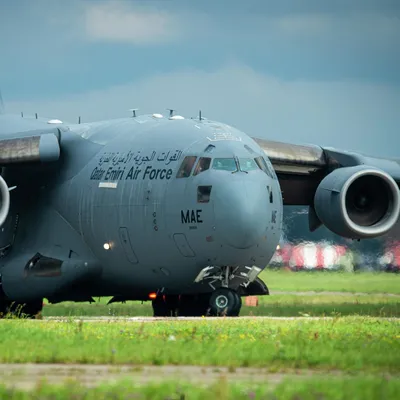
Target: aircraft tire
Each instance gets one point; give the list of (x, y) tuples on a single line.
[(3, 303), (19, 310), (165, 306), (194, 305), (24, 310), (225, 302), (238, 307)]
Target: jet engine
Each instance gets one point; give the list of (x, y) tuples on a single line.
[(4, 200), (358, 202)]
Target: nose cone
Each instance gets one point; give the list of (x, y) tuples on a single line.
[(241, 212)]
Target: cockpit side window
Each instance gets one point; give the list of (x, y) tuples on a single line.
[(270, 168), (202, 165), (186, 167), (225, 164), (264, 166), (248, 164)]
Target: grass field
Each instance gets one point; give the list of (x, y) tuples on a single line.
[(374, 304), (351, 343), (365, 388), (350, 356), (359, 282), (274, 305)]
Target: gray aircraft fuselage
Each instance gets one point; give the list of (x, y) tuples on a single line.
[(113, 217)]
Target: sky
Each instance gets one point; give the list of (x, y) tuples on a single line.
[(301, 71)]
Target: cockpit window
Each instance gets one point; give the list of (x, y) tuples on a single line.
[(202, 165), (225, 164), (186, 167), (248, 164), (264, 166), (203, 194), (209, 148), (270, 168)]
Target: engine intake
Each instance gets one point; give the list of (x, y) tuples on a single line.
[(4, 200), (358, 202)]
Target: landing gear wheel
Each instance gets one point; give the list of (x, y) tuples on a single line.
[(19, 310), (194, 305), (226, 302), (160, 308), (165, 306), (26, 310), (3, 303), (238, 307)]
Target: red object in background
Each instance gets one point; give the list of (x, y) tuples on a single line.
[(320, 257), (297, 257), (309, 255), (285, 253), (394, 251), (251, 301), (341, 250)]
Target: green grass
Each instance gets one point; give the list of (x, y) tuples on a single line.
[(351, 343), (363, 282), (373, 304), (274, 305), (354, 388), (351, 347)]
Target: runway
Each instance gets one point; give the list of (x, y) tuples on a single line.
[(331, 293), (199, 319), (27, 376)]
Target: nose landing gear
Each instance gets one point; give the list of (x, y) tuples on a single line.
[(222, 302), (225, 301)]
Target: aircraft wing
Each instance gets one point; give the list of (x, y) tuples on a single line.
[(301, 168)]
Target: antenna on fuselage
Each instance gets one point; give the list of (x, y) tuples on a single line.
[(36, 115), (171, 112), (79, 119), (199, 115), (22, 114), (133, 110)]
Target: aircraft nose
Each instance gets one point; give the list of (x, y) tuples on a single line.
[(241, 212)]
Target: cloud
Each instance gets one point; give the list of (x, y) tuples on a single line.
[(347, 115), (324, 23), (59, 47), (119, 21), (358, 32), (361, 31)]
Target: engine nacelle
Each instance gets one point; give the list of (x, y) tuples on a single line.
[(358, 202), (4, 201)]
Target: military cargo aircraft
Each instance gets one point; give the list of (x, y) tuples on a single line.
[(185, 212)]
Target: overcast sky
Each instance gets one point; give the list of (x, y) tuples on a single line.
[(304, 71)]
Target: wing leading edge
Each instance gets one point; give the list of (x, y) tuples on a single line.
[(301, 168)]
